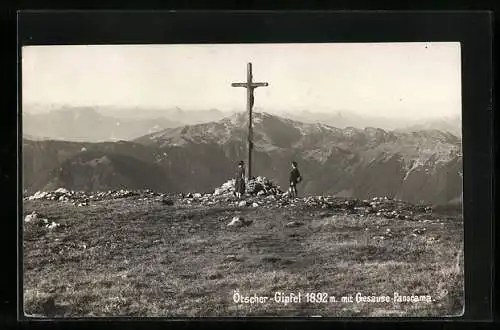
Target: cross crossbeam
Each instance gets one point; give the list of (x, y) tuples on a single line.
[(250, 85)]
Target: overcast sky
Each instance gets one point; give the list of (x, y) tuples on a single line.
[(418, 80)]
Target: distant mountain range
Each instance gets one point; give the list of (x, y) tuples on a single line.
[(342, 119), (107, 123), (87, 124), (99, 124), (423, 165)]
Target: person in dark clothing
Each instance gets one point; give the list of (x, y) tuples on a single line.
[(295, 178), (239, 182)]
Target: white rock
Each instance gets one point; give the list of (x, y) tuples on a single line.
[(242, 204), (293, 224), (53, 225), (255, 204), (197, 195), (236, 221), (62, 191), (39, 195), (31, 217)]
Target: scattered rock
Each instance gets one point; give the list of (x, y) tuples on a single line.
[(53, 225), (263, 186), (293, 224), (62, 191), (259, 186), (38, 195), (239, 221), (31, 217), (80, 197), (36, 219), (261, 193), (419, 231)]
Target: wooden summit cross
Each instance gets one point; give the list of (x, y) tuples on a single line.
[(250, 86)]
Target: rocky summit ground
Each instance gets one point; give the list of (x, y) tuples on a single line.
[(140, 253)]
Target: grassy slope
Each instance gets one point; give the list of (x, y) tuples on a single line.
[(135, 257)]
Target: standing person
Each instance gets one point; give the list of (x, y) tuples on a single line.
[(295, 178), (239, 182)]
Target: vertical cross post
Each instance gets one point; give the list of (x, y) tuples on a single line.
[(249, 110), (250, 86)]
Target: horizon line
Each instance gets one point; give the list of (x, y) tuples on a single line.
[(159, 108)]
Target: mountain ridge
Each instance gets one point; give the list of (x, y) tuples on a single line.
[(349, 162), (99, 122)]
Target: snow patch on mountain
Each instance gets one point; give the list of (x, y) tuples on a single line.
[(415, 164)]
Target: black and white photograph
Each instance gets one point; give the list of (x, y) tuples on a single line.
[(242, 180)]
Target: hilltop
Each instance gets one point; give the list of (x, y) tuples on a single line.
[(142, 253)]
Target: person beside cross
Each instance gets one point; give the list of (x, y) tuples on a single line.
[(295, 178)]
